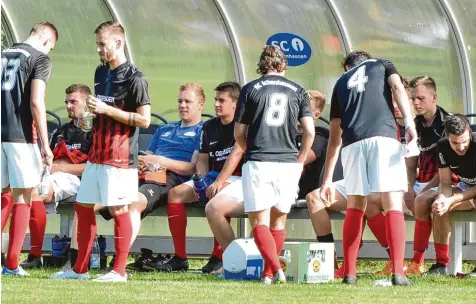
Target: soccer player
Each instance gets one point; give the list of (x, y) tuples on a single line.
[(26, 69), (70, 145), (457, 155), (229, 201), (121, 105), (266, 126), (362, 120), (429, 126), (216, 144)]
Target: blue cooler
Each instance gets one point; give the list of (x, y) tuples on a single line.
[(242, 260)]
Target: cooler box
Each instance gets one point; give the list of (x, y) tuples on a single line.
[(308, 262), (242, 260)]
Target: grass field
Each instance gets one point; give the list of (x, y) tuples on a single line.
[(198, 288)]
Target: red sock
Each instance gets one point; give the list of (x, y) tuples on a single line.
[(178, 227), (377, 225), (7, 204), (86, 233), (442, 254), (421, 239), (122, 241), (217, 249), (18, 228), (351, 239), (37, 227), (267, 247), (396, 240), (279, 236)]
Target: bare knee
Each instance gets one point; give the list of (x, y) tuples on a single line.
[(117, 210), (314, 203), (422, 208)]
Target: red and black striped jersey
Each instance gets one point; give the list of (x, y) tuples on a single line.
[(71, 142), (125, 88)]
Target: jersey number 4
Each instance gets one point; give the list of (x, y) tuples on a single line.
[(276, 112), (9, 73), (358, 80)]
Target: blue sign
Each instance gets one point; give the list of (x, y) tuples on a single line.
[(296, 49)]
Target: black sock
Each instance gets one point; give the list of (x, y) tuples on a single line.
[(73, 255), (328, 238)]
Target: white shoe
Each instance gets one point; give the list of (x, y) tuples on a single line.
[(267, 281), (111, 276), (279, 277), (70, 275), (16, 272)]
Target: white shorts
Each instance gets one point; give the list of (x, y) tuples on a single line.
[(461, 186), (65, 186), (417, 187), (270, 184), (230, 180), (234, 189), (21, 165), (374, 165), (108, 185)]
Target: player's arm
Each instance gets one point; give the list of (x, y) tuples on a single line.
[(140, 119), (202, 164), (333, 148), (75, 169), (240, 135), (434, 182), (177, 166), (466, 195), (445, 189), (307, 123), (411, 163)]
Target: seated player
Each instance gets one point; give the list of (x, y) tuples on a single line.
[(216, 144), (229, 201), (174, 147), (457, 155), (70, 146)]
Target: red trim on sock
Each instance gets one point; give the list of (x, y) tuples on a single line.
[(122, 241), (396, 240), (177, 217), (421, 239), (37, 227), (86, 233), (442, 253), (17, 233)]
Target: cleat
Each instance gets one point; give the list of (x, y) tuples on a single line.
[(213, 264), (32, 262), (3, 259), (348, 279), (16, 272), (279, 277), (145, 259), (70, 275), (267, 281), (472, 273), (387, 270), (398, 280), (339, 273), (174, 264), (437, 269), (415, 269), (111, 277)]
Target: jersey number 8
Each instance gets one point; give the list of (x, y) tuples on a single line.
[(9, 73), (358, 80), (276, 112)]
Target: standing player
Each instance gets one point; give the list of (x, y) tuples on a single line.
[(362, 119), (26, 69), (121, 106), (457, 155), (216, 144), (269, 109)]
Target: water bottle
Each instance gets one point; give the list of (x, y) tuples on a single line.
[(57, 246), (87, 120), (66, 243), (95, 260), (102, 251), (200, 187)]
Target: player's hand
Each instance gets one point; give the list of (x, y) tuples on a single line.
[(327, 194), (214, 188), (47, 155), (95, 105), (441, 205), (409, 198), (410, 134), (142, 165)]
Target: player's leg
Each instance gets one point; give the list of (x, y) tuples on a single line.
[(7, 203), (37, 232), (277, 229), (23, 166), (422, 230)]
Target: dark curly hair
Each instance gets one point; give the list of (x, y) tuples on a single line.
[(354, 58), (456, 124), (272, 59)]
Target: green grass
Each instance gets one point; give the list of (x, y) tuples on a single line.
[(198, 288)]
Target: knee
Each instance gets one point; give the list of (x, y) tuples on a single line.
[(117, 210), (314, 202), (174, 196), (212, 210), (421, 208)]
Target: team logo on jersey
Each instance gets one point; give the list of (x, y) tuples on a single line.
[(107, 99), (296, 49), (166, 134), (442, 159), (189, 133)]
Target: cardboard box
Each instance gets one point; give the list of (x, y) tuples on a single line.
[(305, 262)]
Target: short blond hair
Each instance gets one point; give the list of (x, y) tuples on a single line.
[(318, 100), (195, 87), (427, 81)]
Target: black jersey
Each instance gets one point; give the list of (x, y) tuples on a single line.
[(75, 140), (464, 166), (309, 180), (428, 138), (21, 63), (217, 141), (271, 107), (362, 99), (126, 88)]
